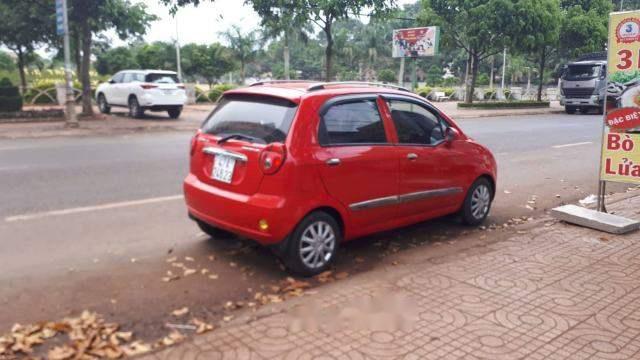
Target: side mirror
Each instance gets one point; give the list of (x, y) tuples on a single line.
[(111, 81), (451, 134)]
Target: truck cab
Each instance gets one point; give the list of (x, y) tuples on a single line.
[(583, 85)]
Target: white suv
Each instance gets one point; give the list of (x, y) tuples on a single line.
[(141, 90)]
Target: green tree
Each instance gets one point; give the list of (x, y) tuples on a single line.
[(26, 25), (114, 60), (481, 27), (284, 22), (244, 47), (583, 27), (157, 55), (208, 61), (89, 18), (6, 62), (434, 75), (540, 31)]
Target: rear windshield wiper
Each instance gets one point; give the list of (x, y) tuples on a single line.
[(238, 136)]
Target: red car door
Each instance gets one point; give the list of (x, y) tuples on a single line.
[(357, 161), (431, 182)]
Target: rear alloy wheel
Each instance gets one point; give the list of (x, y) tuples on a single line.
[(477, 203), (135, 111), (570, 109), (174, 113), (103, 105), (313, 245)]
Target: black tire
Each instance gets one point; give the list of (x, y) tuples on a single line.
[(600, 110), (300, 255), (135, 110), (213, 231), (570, 109), (477, 203), (174, 113), (103, 105)]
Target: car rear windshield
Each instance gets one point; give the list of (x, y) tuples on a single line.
[(160, 78), (582, 72), (262, 118)]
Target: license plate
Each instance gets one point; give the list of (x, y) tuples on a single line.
[(168, 92), (223, 168)]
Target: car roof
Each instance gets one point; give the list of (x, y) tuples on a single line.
[(295, 91), (148, 71)]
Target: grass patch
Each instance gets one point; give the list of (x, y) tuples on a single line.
[(504, 105)]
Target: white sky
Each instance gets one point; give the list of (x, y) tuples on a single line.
[(203, 24)]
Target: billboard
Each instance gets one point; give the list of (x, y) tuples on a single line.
[(416, 42), (621, 139)]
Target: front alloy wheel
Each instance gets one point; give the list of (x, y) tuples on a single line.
[(103, 105), (313, 244), (478, 202)]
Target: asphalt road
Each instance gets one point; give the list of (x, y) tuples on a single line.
[(88, 222)]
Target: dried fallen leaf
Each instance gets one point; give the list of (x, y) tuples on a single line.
[(188, 272), (172, 259), (189, 258), (136, 348), (507, 192), (180, 312), (173, 338), (61, 352), (202, 327), (342, 275), (204, 271), (213, 276)]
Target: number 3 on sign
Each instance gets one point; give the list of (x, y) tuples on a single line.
[(625, 59)]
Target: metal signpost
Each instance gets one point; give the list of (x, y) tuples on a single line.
[(414, 43), (62, 25), (620, 160)]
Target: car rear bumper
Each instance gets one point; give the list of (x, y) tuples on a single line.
[(166, 101), (237, 213)]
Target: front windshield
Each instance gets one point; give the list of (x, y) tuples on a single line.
[(266, 119), (582, 72)]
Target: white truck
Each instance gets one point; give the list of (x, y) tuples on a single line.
[(583, 84), (140, 90)]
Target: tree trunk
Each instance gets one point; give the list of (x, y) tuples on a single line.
[(543, 59), (76, 53), (285, 54), (21, 65), (328, 52), (471, 77), (87, 108), (467, 78)]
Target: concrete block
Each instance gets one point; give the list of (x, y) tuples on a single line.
[(578, 215)]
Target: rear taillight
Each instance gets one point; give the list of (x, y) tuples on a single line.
[(148, 86), (272, 158), (181, 87), (194, 141)]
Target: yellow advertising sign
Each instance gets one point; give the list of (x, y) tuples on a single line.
[(621, 140)]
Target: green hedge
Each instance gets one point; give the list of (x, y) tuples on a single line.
[(504, 105), (10, 99)]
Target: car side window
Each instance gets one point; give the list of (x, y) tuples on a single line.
[(128, 77), (353, 122), (416, 124), (117, 78), (138, 77)]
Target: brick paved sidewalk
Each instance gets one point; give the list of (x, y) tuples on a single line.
[(554, 292)]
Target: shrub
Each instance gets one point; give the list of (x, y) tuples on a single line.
[(386, 76), (10, 99), (424, 91), (505, 104), (490, 94), (507, 93), (483, 79), (451, 81), (201, 96), (224, 87), (448, 91), (214, 94)]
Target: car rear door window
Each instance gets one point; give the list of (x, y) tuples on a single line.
[(127, 77), (160, 78), (416, 124), (266, 119), (353, 122)]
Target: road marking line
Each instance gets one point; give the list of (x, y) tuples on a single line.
[(77, 210), (571, 145)]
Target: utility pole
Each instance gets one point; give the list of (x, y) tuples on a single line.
[(504, 67), (178, 60), (401, 72), (621, 5), (62, 24)]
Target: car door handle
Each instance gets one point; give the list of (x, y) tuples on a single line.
[(412, 156), (333, 162)]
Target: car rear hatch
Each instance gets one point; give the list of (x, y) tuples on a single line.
[(162, 85), (227, 152)]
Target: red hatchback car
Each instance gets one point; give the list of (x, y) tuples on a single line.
[(303, 166)]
